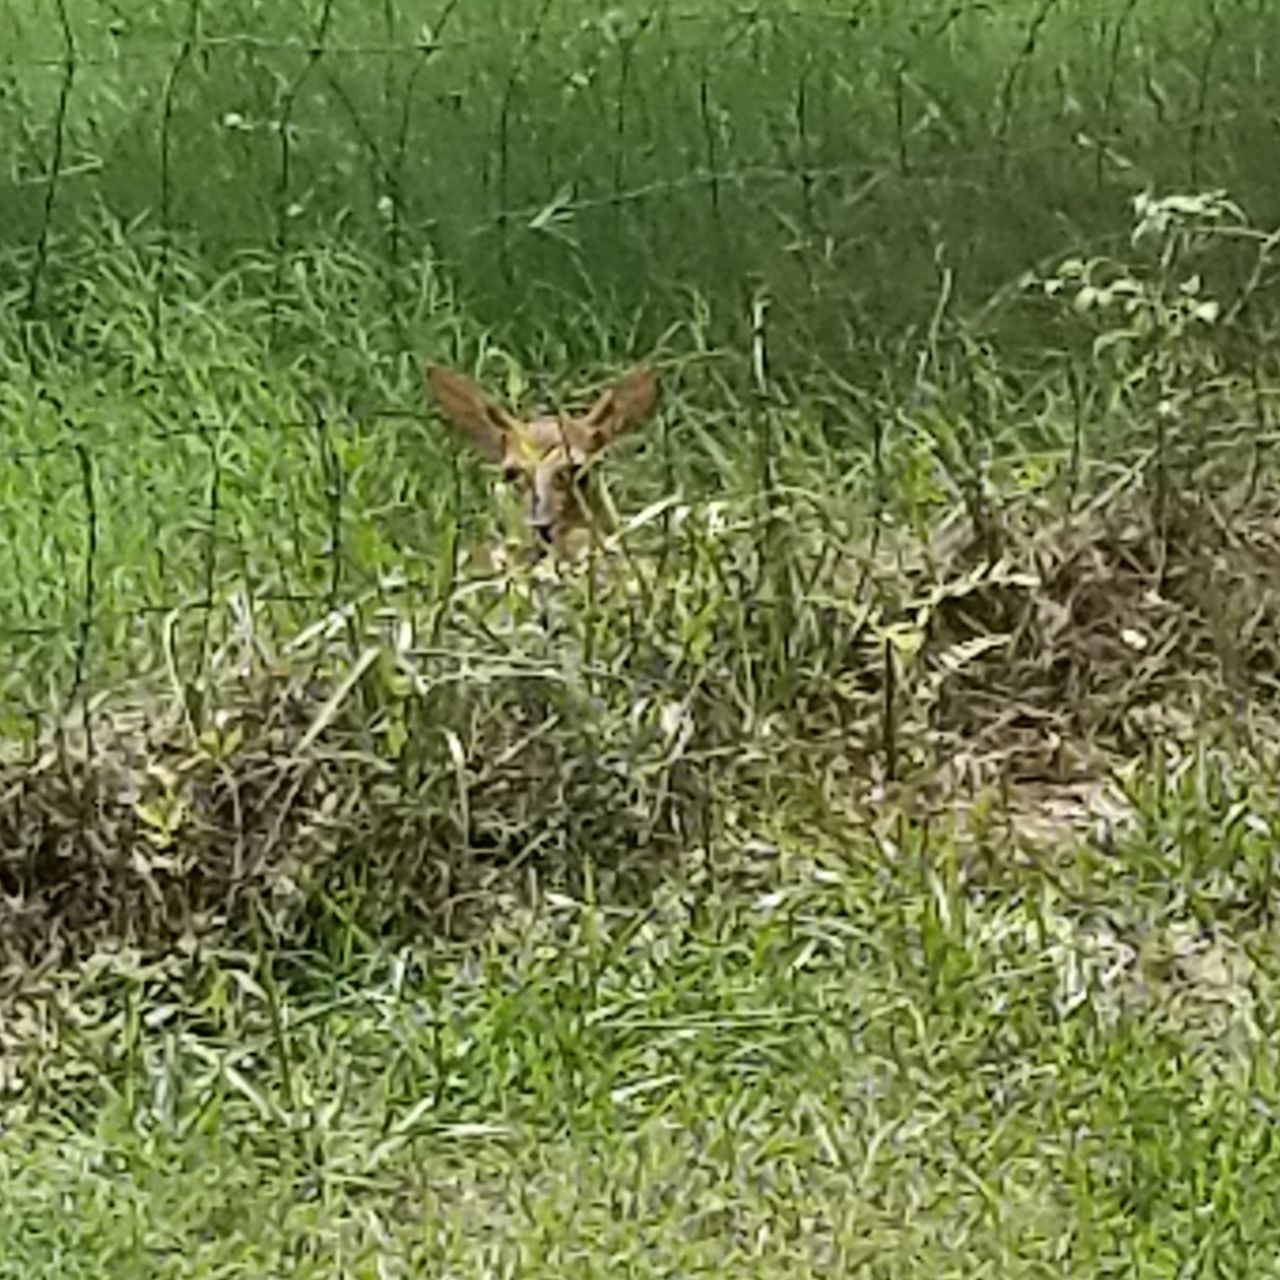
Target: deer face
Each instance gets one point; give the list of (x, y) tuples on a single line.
[(551, 459)]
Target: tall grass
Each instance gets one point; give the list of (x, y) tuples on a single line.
[(867, 867), (564, 161), (272, 443), (289, 690)]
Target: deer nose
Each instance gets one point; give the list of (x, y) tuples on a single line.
[(541, 545)]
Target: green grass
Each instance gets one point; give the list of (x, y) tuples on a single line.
[(181, 437), (846, 1036), (570, 158), (876, 1062), (734, 911)]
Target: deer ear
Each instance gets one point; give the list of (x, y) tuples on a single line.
[(483, 423), (626, 404)]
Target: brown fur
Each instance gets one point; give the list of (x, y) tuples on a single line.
[(550, 457)]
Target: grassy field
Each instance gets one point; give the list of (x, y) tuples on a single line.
[(867, 868), (870, 875), (880, 1064), (581, 167)]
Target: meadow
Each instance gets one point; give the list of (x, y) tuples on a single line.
[(866, 868)]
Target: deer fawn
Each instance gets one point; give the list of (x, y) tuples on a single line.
[(552, 457)]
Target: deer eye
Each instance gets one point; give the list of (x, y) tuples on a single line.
[(512, 475)]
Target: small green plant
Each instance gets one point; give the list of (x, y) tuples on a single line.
[(1166, 342), (1152, 317)]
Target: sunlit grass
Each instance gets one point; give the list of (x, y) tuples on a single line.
[(865, 1068), (865, 869)]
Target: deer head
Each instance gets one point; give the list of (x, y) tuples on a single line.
[(550, 458)]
